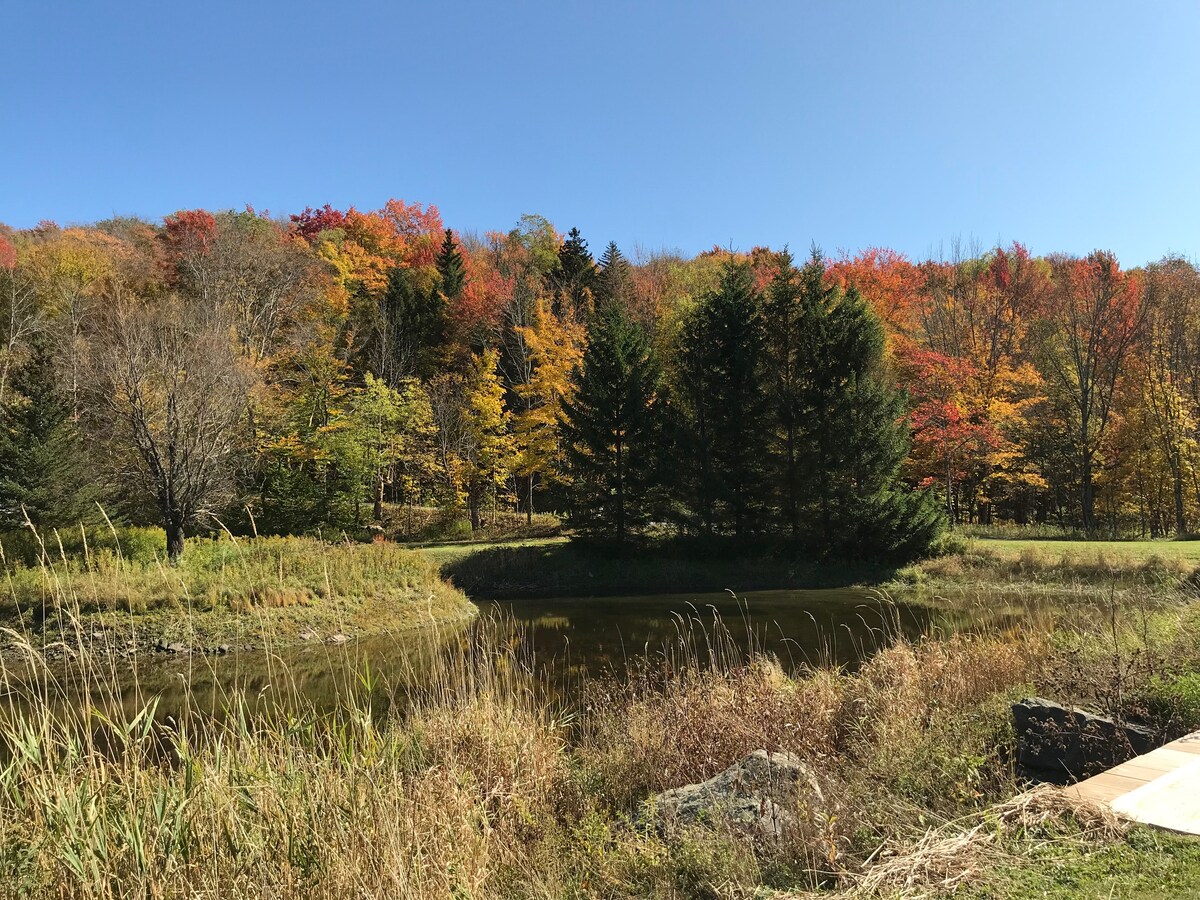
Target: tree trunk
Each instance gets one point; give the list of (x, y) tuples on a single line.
[(620, 498), (473, 508), (950, 491), (377, 510), (174, 529), (1180, 521), (793, 507), (1087, 498)]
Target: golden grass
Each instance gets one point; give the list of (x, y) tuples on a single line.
[(480, 781), (226, 587)]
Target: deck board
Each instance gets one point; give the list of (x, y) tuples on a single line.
[(1159, 788)]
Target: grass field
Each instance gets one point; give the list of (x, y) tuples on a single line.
[(1126, 550), (443, 552), (225, 592)]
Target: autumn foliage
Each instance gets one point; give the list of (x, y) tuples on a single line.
[(388, 360)]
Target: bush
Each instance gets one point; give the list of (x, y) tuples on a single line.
[(1174, 701), (134, 543)]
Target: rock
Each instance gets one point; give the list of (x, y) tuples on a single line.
[(173, 647), (336, 639), (764, 795), (1056, 743), (308, 636)]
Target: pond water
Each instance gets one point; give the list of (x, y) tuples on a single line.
[(556, 642)]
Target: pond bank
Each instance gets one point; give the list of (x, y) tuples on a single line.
[(226, 595), (474, 776), (563, 568), (558, 567)]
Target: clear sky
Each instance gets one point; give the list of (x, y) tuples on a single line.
[(1065, 125)]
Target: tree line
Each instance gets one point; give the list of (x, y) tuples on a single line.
[(233, 370)]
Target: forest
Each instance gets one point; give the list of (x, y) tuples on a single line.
[(287, 375)]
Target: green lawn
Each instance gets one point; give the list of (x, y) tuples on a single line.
[(1133, 550), (1147, 865), (450, 551)]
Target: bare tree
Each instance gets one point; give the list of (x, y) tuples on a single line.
[(170, 394), (256, 273)]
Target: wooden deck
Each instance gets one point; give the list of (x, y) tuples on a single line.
[(1159, 788)]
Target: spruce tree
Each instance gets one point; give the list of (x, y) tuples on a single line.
[(609, 429), (851, 435), (573, 280), (724, 407), (44, 471), (413, 328), (451, 267), (614, 282), (782, 315)]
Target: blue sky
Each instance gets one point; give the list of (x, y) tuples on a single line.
[(1067, 126)]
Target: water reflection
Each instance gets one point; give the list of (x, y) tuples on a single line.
[(560, 640)]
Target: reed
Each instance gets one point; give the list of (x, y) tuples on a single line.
[(472, 775)]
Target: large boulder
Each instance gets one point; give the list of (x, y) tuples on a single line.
[(765, 795), (1059, 743)]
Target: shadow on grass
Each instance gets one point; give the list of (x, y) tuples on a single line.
[(578, 569)]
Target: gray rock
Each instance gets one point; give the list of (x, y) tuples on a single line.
[(763, 795), (337, 639), (173, 647), (1058, 743)]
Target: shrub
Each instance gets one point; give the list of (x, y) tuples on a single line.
[(1174, 701)]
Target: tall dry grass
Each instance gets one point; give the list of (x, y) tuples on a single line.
[(480, 778)]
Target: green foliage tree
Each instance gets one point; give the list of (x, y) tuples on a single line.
[(782, 317), (614, 281), (410, 329), (382, 440), (610, 428), (451, 267), (573, 281), (719, 386), (44, 469), (850, 433)]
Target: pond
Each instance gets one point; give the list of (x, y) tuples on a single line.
[(556, 642)]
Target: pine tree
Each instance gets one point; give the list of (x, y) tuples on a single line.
[(451, 267), (614, 283), (413, 328), (724, 406), (44, 471), (609, 428), (851, 437), (782, 316), (573, 281)]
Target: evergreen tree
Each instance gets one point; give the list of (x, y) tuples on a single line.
[(724, 407), (782, 315), (609, 428), (573, 281), (851, 438), (451, 267), (44, 471), (413, 328), (614, 283)]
